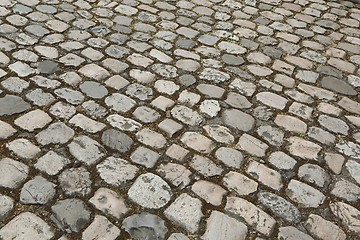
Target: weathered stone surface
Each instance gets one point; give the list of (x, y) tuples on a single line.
[(185, 212), (145, 225), (27, 225), (116, 140), (6, 205), (186, 115), (333, 124), (109, 202), (272, 100), (239, 183), (51, 163), (280, 207), (292, 233), (303, 148), (346, 190), (102, 228), (347, 214), (198, 142), (348, 148), (116, 171), (337, 85), (23, 148), (145, 157), (94, 71), (150, 191), (11, 104), (324, 229), (256, 100), (252, 145), (37, 191), (238, 120), (12, 173), (253, 215), (33, 120), (56, 133), (353, 168), (230, 157), (304, 195), (222, 227), (314, 174), (151, 138), (205, 166), (265, 175), (71, 215), (281, 160), (75, 181), (86, 150), (210, 192)]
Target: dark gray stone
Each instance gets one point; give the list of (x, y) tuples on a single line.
[(47, 67), (11, 104), (117, 140), (232, 59), (71, 215), (145, 226), (338, 85), (280, 207), (93, 89)]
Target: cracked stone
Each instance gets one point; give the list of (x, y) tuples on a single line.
[(37, 191)]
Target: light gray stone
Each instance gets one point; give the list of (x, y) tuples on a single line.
[(102, 228), (347, 214), (312, 173), (116, 171), (6, 130), (109, 202), (37, 191), (353, 168), (282, 161), (288, 233), (222, 227), (185, 212), (265, 175), (238, 120), (6, 205), (51, 163), (150, 191), (346, 190), (35, 119), (86, 150), (240, 183), (23, 148), (56, 133), (27, 225), (254, 216), (304, 195), (210, 192), (324, 229), (252, 145), (145, 157)]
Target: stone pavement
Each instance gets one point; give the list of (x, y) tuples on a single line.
[(178, 120)]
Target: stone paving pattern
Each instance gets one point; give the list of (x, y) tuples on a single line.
[(178, 120)]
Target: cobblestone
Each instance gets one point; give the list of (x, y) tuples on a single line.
[(244, 114)]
